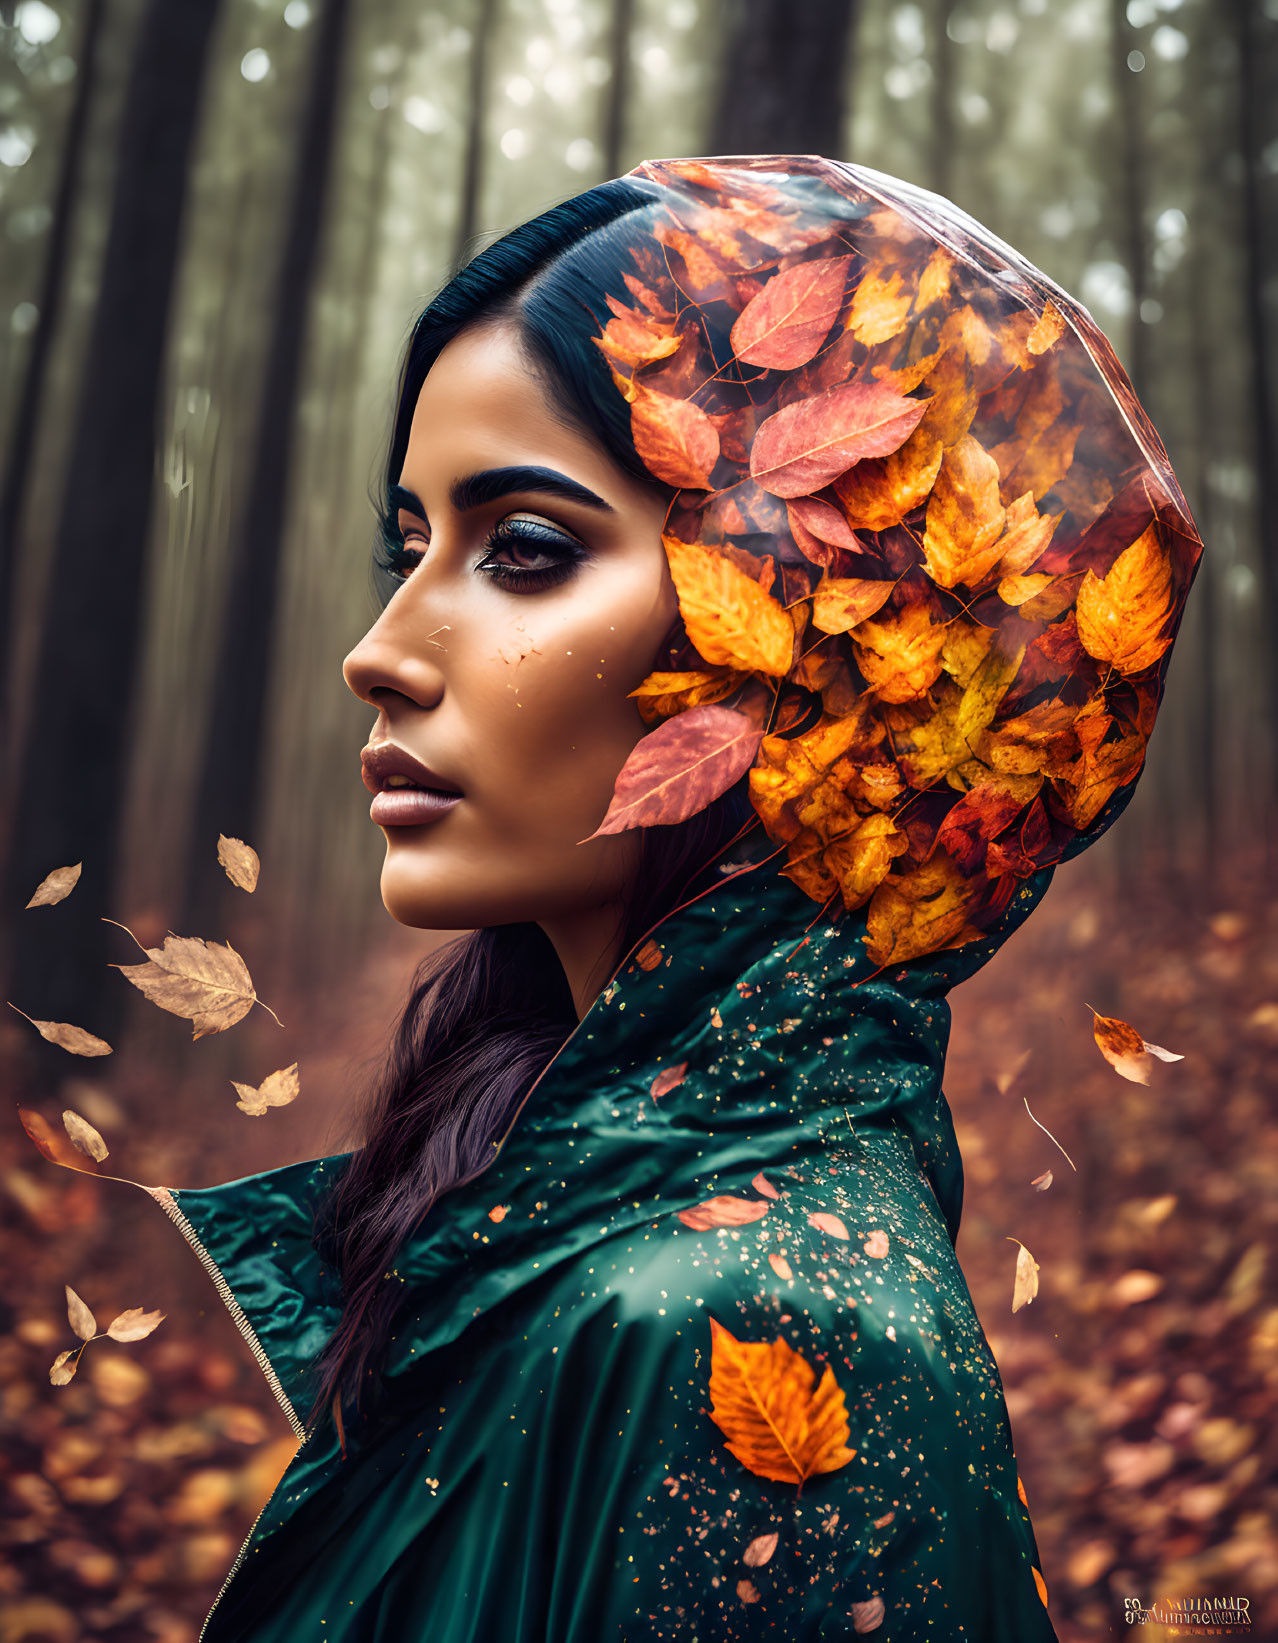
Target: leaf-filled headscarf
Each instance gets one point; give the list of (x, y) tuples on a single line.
[(929, 551)]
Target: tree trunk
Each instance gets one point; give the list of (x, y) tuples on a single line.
[(1131, 189), (784, 81), (73, 769), (229, 783), (473, 157), (614, 133)]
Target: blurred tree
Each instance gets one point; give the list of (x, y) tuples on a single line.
[(783, 87), (229, 782), (72, 770)]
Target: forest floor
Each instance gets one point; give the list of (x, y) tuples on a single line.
[(1140, 1381)]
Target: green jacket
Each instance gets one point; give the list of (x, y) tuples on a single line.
[(546, 1469)]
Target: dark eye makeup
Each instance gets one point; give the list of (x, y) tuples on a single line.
[(523, 553)]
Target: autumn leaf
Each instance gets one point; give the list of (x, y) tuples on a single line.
[(878, 493), (649, 956), (961, 543), (80, 1318), (900, 655), (134, 1325), (65, 1036), (240, 861), (55, 886), (277, 1089), (867, 1616), (802, 447), (1025, 1287), (824, 521), (1046, 329), (917, 912), (207, 984), (840, 603), (669, 1078), (53, 1144), (1124, 1048), (1040, 1584), (1120, 614), (784, 325), (747, 1591), (84, 1136), (498, 1212), (781, 1267), (876, 1245), (730, 619), (780, 1422), (763, 1185), (662, 695), (63, 1367), (760, 1550), (1040, 1183), (675, 439), (829, 1224), (880, 308), (724, 1211), (680, 767)]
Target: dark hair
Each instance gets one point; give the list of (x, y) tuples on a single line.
[(487, 1012)]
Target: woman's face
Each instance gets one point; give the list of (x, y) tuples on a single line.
[(534, 595)]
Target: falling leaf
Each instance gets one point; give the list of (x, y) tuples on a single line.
[(804, 446), (669, 1078), (1160, 1052), (830, 1224), (55, 1145), (675, 439), (134, 1325), (1122, 1046), (1041, 1182), (1040, 1583), (64, 1366), (277, 1089), (1046, 329), (784, 325), (876, 1245), (240, 861), (1121, 615), (747, 1591), (760, 1550), (763, 1185), (727, 615), (65, 1036), (723, 1211), (1025, 1287), (498, 1212), (867, 1616), (208, 984), (81, 1319), (781, 1267), (56, 887), (680, 767), (84, 1136), (780, 1422)]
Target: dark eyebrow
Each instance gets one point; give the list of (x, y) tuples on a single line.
[(491, 484)]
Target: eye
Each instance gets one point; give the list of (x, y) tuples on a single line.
[(526, 553), (401, 542)]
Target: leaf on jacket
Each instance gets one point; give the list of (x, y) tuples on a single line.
[(722, 1211), (84, 1136), (669, 1078), (802, 447), (277, 1089), (1025, 1285), (134, 1325), (649, 956), (498, 1212), (747, 1591), (760, 1550), (240, 861), (681, 767), (779, 1420), (1040, 1584), (876, 1245), (65, 1036), (824, 521), (728, 616), (79, 1316), (786, 323), (206, 983), (781, 1267), (1120, 614), (823, 1221), (900, 655), (55, 886), (878, 493), (55, 1145), (763, 1185), (867, 1616), (675, 439)]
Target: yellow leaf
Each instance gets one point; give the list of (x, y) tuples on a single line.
[(275, 1090), (839, 603), (727, 615), (662, 695), (917, 912), (964, 517), (780, 1422), (1046, 328), (204, 982), (65, 1036), (85, 1137), (55, 886), (900, 656), (240, 861), (1120, 614), (879, 309)]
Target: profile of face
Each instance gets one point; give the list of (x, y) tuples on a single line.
[(534, 595)]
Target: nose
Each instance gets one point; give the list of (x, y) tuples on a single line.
[(399, 657)]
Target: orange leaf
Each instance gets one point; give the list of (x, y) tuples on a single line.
[(788, 321), (731, 620), (830, 1224), (1119, 615), (763, 1185), (669, 1078), (675, 439), (917, 912), (840, 603), (803, 446), (879, 309), (781, 1267), (1122, 1046), (1040, 1583), (724, 1211), (1045, 330), (662, 695), (679, 768), (53, 1144), (879, 493), (498, 1212), (900, 656), (964, 517), (780, 1422), (760, 1550)]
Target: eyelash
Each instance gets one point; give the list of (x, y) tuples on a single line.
[(396, 559)]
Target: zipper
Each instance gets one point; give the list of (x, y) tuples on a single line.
[(169, 1205)]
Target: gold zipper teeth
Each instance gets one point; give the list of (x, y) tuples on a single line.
[(169, 1205)]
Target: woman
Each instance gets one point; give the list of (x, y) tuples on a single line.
[(780, 580)]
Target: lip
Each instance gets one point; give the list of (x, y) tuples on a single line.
[(430, 796)]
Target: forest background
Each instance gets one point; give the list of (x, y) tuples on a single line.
[(218, 219)]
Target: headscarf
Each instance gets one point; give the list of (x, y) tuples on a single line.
[(929, 551)]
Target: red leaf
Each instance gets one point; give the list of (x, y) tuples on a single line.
[(675, 439), (681, 767), (785, 325), (722, 1212), (669, 1078), (802, 447), (825, 522), (763, 1185)]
